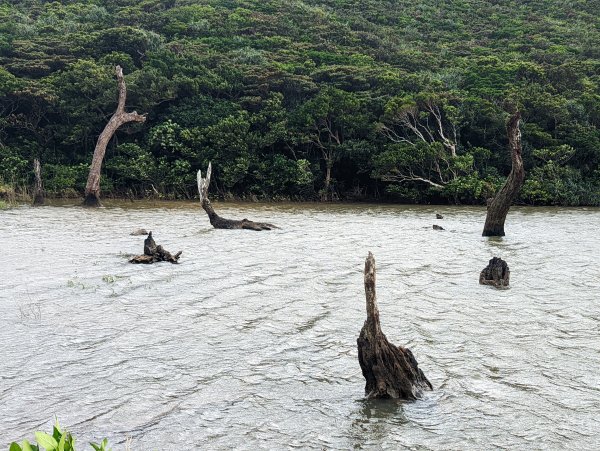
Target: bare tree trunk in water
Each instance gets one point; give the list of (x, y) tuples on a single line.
[(390, 371), (38, 190), (217, 221), (120, 117), (327, 194), (499, 206)]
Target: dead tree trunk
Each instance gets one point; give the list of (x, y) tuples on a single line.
[(38, 190), (217, 221), (390, 371), (500, 204), (154, 253), (120, 117)]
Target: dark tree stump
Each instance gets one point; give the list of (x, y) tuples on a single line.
[(498, 206), (217, 221), (496, 273), (390, 371), (437, 227), (438, 216), (154, 253)]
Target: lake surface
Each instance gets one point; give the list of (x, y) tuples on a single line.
[(250, 342)]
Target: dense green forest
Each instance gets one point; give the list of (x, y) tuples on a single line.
[(305, 99)]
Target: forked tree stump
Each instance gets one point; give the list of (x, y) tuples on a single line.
[(154, 253), (496, 273), (120, 117), (217, 221), (390, 371)]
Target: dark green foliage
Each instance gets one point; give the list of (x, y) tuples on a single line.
[(395, 99)]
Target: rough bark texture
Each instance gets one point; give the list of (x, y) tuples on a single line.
[(38, 190), (120, 117), (390, 371), (217, 221), (154, 253), (498, 207), (496, 273)]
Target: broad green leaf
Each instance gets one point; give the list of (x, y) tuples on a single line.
[(15, 447), (61, 444), (46, 440)]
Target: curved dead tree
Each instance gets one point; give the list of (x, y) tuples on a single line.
[(217, 221), (153, 253), (390, 371), (38, 190), (120, 117), (500, 204)]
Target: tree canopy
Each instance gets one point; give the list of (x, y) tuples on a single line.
[(305, 99)]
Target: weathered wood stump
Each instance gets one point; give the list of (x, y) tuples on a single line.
[(438, 216), (154, 253), (38, 190), (496, 273), (217, 221), (390, 371), (437, 227)]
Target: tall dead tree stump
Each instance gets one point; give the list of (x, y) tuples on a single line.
[(120, 117), (217, 221), (498, 207), (38, 189), (390, 371)]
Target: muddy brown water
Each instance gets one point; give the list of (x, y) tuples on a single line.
[(250, 342)]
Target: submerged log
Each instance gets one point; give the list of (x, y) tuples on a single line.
[(120, 117), (438, 216), (437, 227), (498, 207), (390, 371), (496, 273), (154, 253), (38, 190), (217, 221)]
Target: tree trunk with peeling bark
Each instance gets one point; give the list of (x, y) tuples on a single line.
[(390, 371), (120, 117), (217, 221), (500, 204), (38, 190)]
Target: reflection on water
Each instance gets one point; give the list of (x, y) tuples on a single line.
[(250, 342)]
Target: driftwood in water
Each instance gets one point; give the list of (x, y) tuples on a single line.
[(496, 273), (390, 371), (438, 216), (217, 221), (498, 207), (120, 117), (437, 227), (154, 253), (38, 190)]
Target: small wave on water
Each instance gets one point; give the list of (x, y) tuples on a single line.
[(250, 342)]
